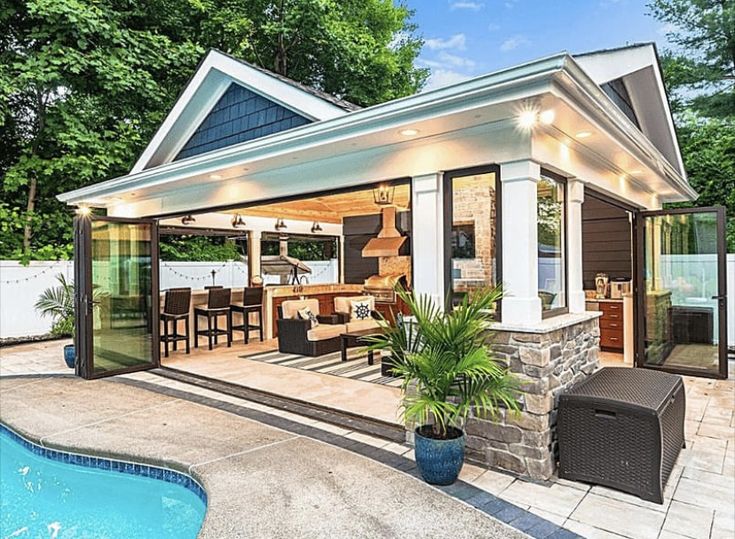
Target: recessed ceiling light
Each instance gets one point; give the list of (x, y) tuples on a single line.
[(408, 132), (584, 134), (547, 117), (215, 176)]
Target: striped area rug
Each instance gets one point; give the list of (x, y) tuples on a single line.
[(356, 367)]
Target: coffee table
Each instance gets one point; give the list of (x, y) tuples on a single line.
[(351, 339)]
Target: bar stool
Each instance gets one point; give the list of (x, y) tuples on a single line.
[(252, 302), (176, 305), (218, 304)]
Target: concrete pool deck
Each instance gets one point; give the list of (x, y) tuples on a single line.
[(261, 481)]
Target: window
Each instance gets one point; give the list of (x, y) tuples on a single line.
[(471, 230), (551, 198)]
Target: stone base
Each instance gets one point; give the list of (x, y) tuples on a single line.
[(546, 362)]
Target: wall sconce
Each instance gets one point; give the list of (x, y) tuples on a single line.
[(238, 221), (188, 219), (383, 195), (316, 227), (280, 225)]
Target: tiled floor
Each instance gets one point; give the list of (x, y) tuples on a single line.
[(699, 498)]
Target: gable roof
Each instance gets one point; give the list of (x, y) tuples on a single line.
[(213, 77), (636, 68)]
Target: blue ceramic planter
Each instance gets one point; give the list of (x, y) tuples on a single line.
[(439, 461), (70, 355)]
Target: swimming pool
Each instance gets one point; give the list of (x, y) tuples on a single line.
[(46, 493)]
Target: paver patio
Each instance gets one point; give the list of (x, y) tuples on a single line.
[(699, 500)]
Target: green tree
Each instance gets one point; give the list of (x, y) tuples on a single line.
[(700, 69), (700, 75), (85, 83)]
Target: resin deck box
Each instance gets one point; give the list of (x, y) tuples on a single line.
[(622, 428)]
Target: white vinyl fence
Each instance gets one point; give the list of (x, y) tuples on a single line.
[(21, 285)]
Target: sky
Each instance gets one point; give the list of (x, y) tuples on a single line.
[(466, 38)]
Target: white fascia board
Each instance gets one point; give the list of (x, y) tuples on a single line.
[(211, 80), (618, 124), (501, 86)]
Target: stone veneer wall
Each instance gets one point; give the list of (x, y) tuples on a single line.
[(546, 363)]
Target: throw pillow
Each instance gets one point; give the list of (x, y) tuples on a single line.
[(306, 314), (360, 310)]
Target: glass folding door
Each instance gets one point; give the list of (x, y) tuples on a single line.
[(682, 303), (117, 295)]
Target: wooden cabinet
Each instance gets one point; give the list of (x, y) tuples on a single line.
[(611, 326)]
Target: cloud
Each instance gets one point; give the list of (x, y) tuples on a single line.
[(456, 61), (457, 41), (492, 27), (514, 42), (471, 6), (444, 77)]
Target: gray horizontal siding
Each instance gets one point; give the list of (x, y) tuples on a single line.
[(239, 115)]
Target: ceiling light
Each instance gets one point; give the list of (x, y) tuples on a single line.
[(280, 225), (547, 117), (408, 132), (527, 119), (215, 177), (584, 134), (316, 227), (84, 211), (188, 219), (238, 221)]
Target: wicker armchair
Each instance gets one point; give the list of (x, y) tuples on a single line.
[(297, 336)]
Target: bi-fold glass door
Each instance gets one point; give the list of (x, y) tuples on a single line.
[(116, 297), (682, 307)]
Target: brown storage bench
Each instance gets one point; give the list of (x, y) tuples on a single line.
[(622, 428)]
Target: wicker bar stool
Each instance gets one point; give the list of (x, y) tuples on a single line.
[(176, 305), (252, 302), (218, 304)]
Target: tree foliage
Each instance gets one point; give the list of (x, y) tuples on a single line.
[(700, 75), (84, 84)]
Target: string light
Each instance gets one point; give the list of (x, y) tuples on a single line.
[(31, 278)]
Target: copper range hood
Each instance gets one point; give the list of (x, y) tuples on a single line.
[(389, 240)]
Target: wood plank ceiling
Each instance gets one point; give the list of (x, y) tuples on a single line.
[(328, 208)]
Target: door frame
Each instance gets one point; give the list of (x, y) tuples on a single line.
[(639, 289), (83, 314)]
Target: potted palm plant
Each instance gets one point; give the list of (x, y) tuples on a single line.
[(57, 303), (447, 371)]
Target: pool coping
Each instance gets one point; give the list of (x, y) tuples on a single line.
[(82, 460)]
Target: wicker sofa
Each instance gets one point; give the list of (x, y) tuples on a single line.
[(296, 336)]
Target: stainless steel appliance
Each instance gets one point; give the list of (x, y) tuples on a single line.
[(383, 287), (619, 287)]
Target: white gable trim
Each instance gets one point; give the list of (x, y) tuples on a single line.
[(212, 78), (628, 63)]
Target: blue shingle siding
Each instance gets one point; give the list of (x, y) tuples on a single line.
[(238, 116)]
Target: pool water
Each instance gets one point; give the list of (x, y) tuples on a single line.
[(40, 497)]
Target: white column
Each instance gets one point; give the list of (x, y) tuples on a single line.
[(521, 304), (427, 242), (575, 194)]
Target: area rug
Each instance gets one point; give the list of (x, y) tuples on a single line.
[(356, 367)]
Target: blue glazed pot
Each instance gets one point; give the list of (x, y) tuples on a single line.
[(439, 461), (70, 355)]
